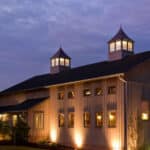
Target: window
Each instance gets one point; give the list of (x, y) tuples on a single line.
[(61, 120), (14, 120), (62, 61), (112, 119), (67, 63), (112, 90), (53, 62), (124, 45), (145, 116), (86, 119), (61, 95), (118, 45), (57, 61), (98, 91), (130, 46), (112, 47), (71, 120), (87, 92), (39, 120), (71, 95), (99, 119)]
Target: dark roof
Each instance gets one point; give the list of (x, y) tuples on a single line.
[(60, 54), (22, 106), (84, 72), (121, 35)]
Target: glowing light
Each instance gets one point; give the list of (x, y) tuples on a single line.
[(53, 136), (116, 145), (145, 116), (99, 117), (78, 140), (111, 117)]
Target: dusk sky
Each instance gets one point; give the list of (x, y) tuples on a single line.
[(32, 30)]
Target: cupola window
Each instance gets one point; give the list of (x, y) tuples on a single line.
[(67, 63), (112, 47), (56, 61), (62, 61), (118, 45), (124, 45), (130, 47), (53, 62)]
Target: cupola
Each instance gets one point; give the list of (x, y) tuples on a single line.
[(120, 46), (60, 61)]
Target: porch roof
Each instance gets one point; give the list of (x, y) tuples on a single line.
[(24, 106)]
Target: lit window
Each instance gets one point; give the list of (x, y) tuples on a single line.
[(124, 45), (61, 120), (99, 119), (14, 120), (87, 92), (112, 119), (98, 91), (67, 62), (62, 61), (86, 117), (53, 62), (112, 47), (39, 120), (71, 120), (4, 117), (130, 46), (112, 90), (61, 95), (71, 95), (118, 45), (57, 61), (145, 116)]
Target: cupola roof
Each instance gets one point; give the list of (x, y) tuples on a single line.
[(121, 35), (60, 54)]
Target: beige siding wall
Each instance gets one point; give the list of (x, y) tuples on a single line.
[(39, 134), (92, 138)]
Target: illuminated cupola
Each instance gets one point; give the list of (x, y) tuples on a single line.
[(120, 46), (60, 61)]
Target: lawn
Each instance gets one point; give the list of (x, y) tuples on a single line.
[(18, 148)]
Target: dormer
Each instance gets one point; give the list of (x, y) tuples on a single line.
[(60, 61), (120, 46)]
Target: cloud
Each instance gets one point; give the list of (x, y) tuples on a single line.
[(31, 31)]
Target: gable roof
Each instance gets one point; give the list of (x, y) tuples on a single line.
[(121, 35), (60, 54), (22, 106), (81, 73)]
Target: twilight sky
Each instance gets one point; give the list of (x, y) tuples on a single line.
[(32, 30)]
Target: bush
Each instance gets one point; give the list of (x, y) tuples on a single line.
[(20, 132)]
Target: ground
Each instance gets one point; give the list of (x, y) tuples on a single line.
[(18, 148)]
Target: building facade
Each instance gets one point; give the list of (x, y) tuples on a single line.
[(97, 106)]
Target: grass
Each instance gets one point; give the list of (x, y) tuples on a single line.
[(18, 148)]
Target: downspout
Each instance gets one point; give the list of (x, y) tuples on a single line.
[(125, 110)]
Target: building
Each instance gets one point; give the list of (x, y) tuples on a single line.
[(97, 106)]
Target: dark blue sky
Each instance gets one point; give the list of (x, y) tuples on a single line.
[(32, 30)]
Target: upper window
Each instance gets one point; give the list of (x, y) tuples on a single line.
[(99, 119), (71, 94), (87, 119), (71, 120), (14, 120), (61, 120), (112, 47), (124, 45), (112, 90), (130, 46), (112, 119), (87, 92), (118, 45), (61, 95), (39, 120), (98, 91)]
